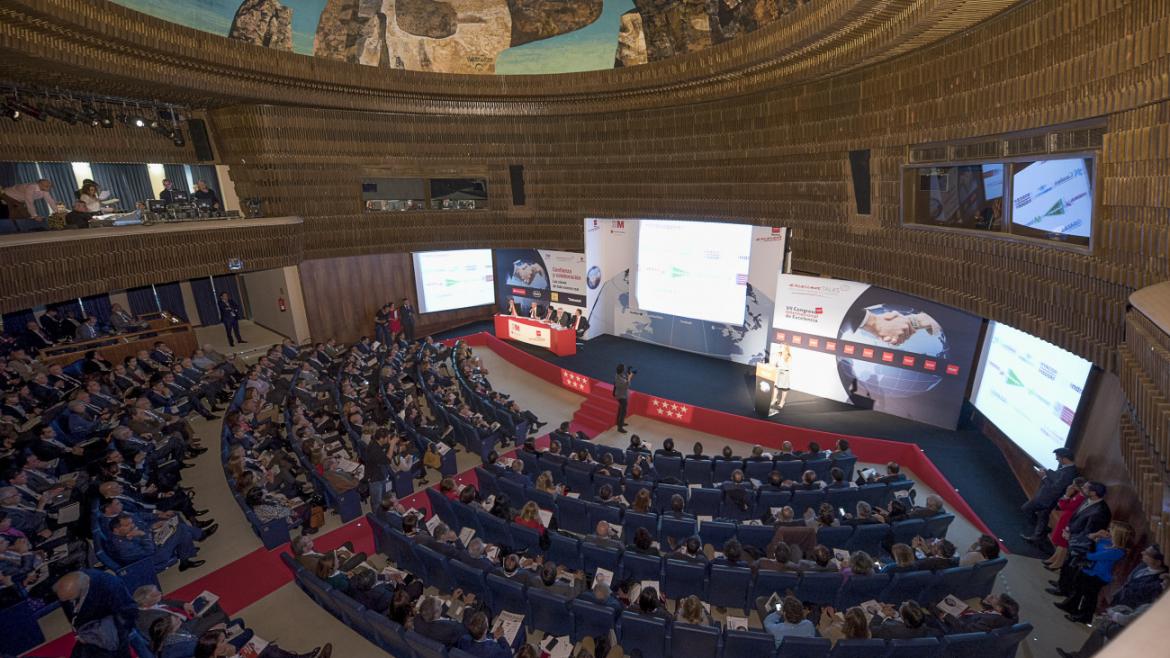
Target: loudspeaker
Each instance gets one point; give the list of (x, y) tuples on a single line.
[(859, 163), (200, 140), (516, 172)]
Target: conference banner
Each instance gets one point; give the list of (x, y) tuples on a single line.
[(539, 276), (527, 333), (873, 347), (615, 251)]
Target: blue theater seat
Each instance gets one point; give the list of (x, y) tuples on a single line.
[(468, 578), (679, 529), (631, 521), (717, 533), (966, 645), (705, 502), (790, 470), (858, 649), (859, 589), (728, 587), (564, 550), (697, 471), (505, 594), (682, 579), (1007, 640), (690, 641), (835, 537), (573, 515), (644, 634), (524, 539), (904, 532), (591, 619), (980, 584), (663, 493), (921, 647), (759, 536), (438, 575), (805, 500), (604, 513), (868, 538), (768, 582), (748, 644), (819, 588), (937, 526), (594, 557), (495, 529), (723, 468), (548, 613), (758, 470), (641, 567), (668, 467), (804, 647), (906, 585), (424, 647)]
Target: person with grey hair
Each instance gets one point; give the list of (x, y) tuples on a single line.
[(476, 556), (443, 540), (153, 606), (864, 515), (90, 597), (430, 623)]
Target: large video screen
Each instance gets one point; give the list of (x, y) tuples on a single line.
[(693, 269), (1029, 388), (874, 348), (447, 280), (1053, 198)]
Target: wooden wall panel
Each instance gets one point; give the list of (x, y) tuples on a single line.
[(28, 140), (342, 295)]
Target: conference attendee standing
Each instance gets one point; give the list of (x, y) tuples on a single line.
[(395, 321), (229, 314), (406, 316), (621, 391), (784, 375), (1052, 487), (21, 199), (100, 609)]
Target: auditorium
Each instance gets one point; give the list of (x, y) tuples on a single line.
[(584, 328)]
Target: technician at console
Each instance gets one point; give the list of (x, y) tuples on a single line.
[(621, 391), (205, 194)]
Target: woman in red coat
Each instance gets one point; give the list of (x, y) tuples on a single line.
[(395, 322), (530, 517), (1068, 505)]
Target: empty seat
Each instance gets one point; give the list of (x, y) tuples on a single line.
[(641, 567), (564, 550), (716, 533), (768, 500), (697, 471), (728, 587), (495, 530), (875, 494), (819, 588), (748, 644), (705, 502), (506, 594), (691, 641), (486, 482), (643, 633), (573, 515), (846, 464), (835, 537), (513, 490), (980, 584), (859, 589), (548, 612), (682, 579), (591, 619), (579, 478)]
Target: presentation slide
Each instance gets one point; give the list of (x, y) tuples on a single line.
[(693, 269), (1054, 196), (1030, 389), (447, 280)]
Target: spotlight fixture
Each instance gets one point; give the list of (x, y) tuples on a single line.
[(22, 108), (66, 114), (138, 122), (178, 138), (12, 113)]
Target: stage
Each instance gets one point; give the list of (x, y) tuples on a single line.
[(969, 461)]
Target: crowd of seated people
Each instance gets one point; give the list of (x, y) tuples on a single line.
[(94, 453), (57, 327)]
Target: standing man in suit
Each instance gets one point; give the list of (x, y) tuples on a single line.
[(229, 314), (406, 317), (621, 391), (90, 596), (1052, 487)]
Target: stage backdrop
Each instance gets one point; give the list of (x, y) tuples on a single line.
[(539, 276), (856, 343), (611, 251)]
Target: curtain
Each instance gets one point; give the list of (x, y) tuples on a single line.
[(170, 297), (16, 321), (64, 182), (66, 308), (177, 174), (128, 182), (98, 306), (230, 283), (142, 300), (205, 302), (206, 173)]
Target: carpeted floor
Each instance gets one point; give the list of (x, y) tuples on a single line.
[(971, 462)]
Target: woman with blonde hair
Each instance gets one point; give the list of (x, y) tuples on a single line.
[(544, 482), (641, 501), (1109, 548), (529, 517), (691, 611), (851, 625)]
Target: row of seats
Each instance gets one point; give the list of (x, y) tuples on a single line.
[(581, 517), (732, 587)]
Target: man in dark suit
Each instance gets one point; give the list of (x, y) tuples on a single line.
[(152, 607), (229, 315), (1093, 515), (89, 596), (406, 317), (1052, 487), (88, 329), (478, 642), (36, 339), (53, 325), (999, 611), (429, 623)]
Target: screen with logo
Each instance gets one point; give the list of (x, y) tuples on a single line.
[(874, 348), (447, 280), (1029, 388), (693, 269), (1053, 199)]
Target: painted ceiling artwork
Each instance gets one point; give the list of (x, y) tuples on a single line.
[(477, 36)]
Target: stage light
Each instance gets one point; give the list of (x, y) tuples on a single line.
[(178, 138), (24, 109), (137, 122), (12, 113), (62, 114), (106, 120)]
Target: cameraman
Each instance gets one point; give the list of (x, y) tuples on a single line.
[(621, 391)]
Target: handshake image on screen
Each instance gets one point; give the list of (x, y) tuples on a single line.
[(529, 274), (896, 327)]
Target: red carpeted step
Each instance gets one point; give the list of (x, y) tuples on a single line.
[(595, 417), (605, 401)]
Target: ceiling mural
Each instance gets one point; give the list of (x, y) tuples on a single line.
[(477, 36)]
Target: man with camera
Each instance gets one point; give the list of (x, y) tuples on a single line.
[(621, 391)]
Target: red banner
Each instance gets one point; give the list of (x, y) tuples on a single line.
[(673, 411), (574, 381)]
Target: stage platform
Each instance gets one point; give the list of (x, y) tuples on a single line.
[(968, 460)]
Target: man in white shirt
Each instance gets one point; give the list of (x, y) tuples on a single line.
[(21, 199)]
